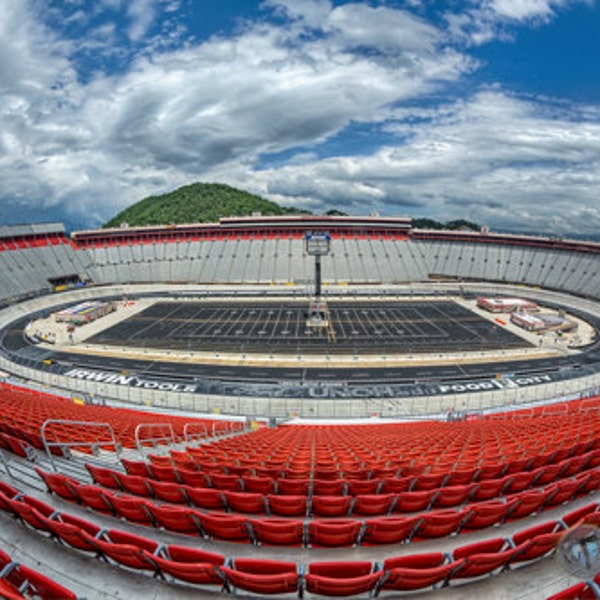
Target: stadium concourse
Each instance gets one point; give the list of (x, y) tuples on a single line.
[(191, 431)]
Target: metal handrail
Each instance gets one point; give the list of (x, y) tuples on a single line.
[(195, 437), (168, 438), (66, 445)]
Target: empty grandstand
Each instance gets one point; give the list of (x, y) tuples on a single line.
[(201, 439)]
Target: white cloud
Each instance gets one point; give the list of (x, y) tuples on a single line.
[(212, 110), (142, 14), (179, 115), (493, 159), (520, 10), (496, 19)]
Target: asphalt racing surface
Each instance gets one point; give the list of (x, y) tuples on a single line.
[(298, 382)]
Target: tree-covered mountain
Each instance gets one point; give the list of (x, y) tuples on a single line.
[(196, 203), (208, 202), (459, 224)]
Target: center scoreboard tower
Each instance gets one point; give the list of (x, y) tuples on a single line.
[(318, 245)]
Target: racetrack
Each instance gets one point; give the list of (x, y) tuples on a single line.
[(380, 362)]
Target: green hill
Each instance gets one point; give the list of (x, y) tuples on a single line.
[(457, 225), (208, 202), (196, 203)]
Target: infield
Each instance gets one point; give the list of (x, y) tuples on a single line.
[(394, 327)]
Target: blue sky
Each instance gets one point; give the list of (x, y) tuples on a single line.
[(481, 109)]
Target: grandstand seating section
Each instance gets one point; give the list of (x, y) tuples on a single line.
[(41, 253), (25, 410), (322, 486), (21, 581), (304, 487), (413, 571)]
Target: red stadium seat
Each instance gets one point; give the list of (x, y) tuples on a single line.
[(135, 484), (272, 472), (239, 470), (166, 472), (95, 497), (487, 514), (32, 584), (417, 571), (461, 477), (578, 591), (389, 530), (169, 491), (327, 487), (546, 474), (429, 481), (561, 491), (262, 576), (225, 526), (17, 446), (491, 471), (222, 481), (588, 481), (341, 578), (363, 486), (408, 502), (441, 523), (331, 506), (373, 504), (259, 485), (488, 489), (537, 541), (136, 467), (293, 487), (4, 502), (81, 523), (59, 484), (580, 514), (103, 476), (8, 490), (72, 535), (453, 495), (482, 558), (132, 508), (334, 532), (125, 548), (9, 592), (194, 478), (287, 506), (245, 502), (175, 518), (187, 564), (528, 503), (31, 516), (207, 498), (574, 465), (277, 532), (325, 474), (395, 485), (517, 482)]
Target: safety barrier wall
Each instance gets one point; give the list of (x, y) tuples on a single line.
[(437, 406)]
